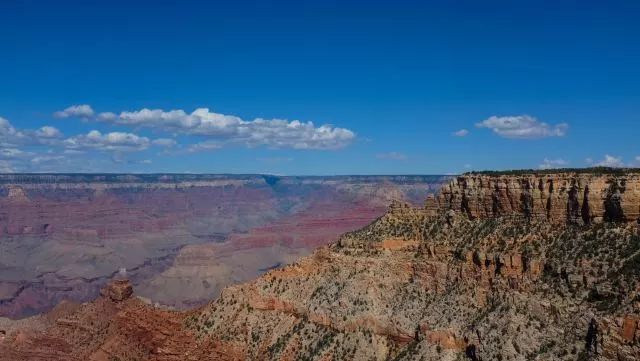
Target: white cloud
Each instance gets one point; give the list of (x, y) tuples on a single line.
[(392, 156), (107, 116), (114, 141), (611, 161), (14, 142), (172, 120), (46, 149), (278, 133), (48, 132), (10, 136), (204, 146), (274, 133), (553, 163), (6, 128), (461, 133), (81, 111), (522, 127), (12, 153)]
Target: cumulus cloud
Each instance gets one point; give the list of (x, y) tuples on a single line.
[(174, 120), (13, 139), (79, 111), (274, 133), (107, 116), (10, 136), (47, 149), (553, 163), (461, 133), (523, 127), (48, 132), (611, 161), (114, 141), (6, 128), (392, 156)]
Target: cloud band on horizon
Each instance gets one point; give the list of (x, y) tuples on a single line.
[(225, 129)]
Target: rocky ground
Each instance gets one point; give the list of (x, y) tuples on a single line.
[(409, 288), (427, 283)]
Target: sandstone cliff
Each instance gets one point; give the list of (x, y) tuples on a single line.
[(583, 197)]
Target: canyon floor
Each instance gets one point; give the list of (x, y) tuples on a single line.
[(477, 273)]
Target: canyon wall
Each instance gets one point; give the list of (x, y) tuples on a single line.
[(181, 238), (417, 283), (566, 197)]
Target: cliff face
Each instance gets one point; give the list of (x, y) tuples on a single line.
[(416, 284), (580, 198)]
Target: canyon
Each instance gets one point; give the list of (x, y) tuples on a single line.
[(492, 267), (181, 238)]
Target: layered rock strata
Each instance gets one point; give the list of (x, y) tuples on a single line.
[(64, 236), (581, 198), (416, 284)]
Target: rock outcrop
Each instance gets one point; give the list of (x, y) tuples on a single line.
[(117, 290), (569, 197)]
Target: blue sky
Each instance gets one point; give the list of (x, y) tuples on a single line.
[(119, 86)]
